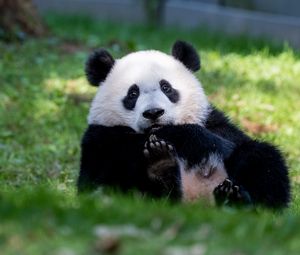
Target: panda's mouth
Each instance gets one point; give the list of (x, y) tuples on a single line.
[(152, 128)]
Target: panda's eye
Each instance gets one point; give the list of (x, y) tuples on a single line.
[(165, 86), (133, 92)]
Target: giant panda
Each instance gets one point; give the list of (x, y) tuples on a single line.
[(151, 128)]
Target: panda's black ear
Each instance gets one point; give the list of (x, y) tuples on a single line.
[(98, 66), (186, 54)]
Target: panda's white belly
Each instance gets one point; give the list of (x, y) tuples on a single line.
[(199, 182)]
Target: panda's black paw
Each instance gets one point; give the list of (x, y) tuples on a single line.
[(157, 149), (163, 166), (228, 193)]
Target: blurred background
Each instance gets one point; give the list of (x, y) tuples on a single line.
[(278, 20)]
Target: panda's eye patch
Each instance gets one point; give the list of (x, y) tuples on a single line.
[(169, 91), (165, 86), (130, 99)]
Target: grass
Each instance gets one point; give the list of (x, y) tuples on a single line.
[(44, 100)]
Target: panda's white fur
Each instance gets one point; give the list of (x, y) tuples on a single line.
[(146, 69), (200, 181)]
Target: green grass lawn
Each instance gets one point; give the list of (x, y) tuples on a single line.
[(44, 100)]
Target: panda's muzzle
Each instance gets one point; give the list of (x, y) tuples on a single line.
[(153, 114)]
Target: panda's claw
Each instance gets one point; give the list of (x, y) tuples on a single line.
[(236, 188), (227, 183)]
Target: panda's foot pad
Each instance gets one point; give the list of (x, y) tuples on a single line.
[(161, 158), (156, 149), (228, 193)]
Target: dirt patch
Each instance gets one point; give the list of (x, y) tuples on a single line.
[(258, 128)]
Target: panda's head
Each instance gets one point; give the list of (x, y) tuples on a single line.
[(145, 89)]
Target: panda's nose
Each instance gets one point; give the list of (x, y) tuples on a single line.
[(154, 113)]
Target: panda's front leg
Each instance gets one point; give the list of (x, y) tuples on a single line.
[(163, 167)]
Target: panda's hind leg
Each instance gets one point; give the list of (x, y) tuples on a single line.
[(229, 193), (163, 167)]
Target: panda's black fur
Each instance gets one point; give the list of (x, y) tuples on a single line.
[(123, 165), (114, 156)]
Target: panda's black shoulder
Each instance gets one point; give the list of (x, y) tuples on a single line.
[(216, 118), (218, 123)]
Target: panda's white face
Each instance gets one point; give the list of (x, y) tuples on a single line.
[(148, 88)]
